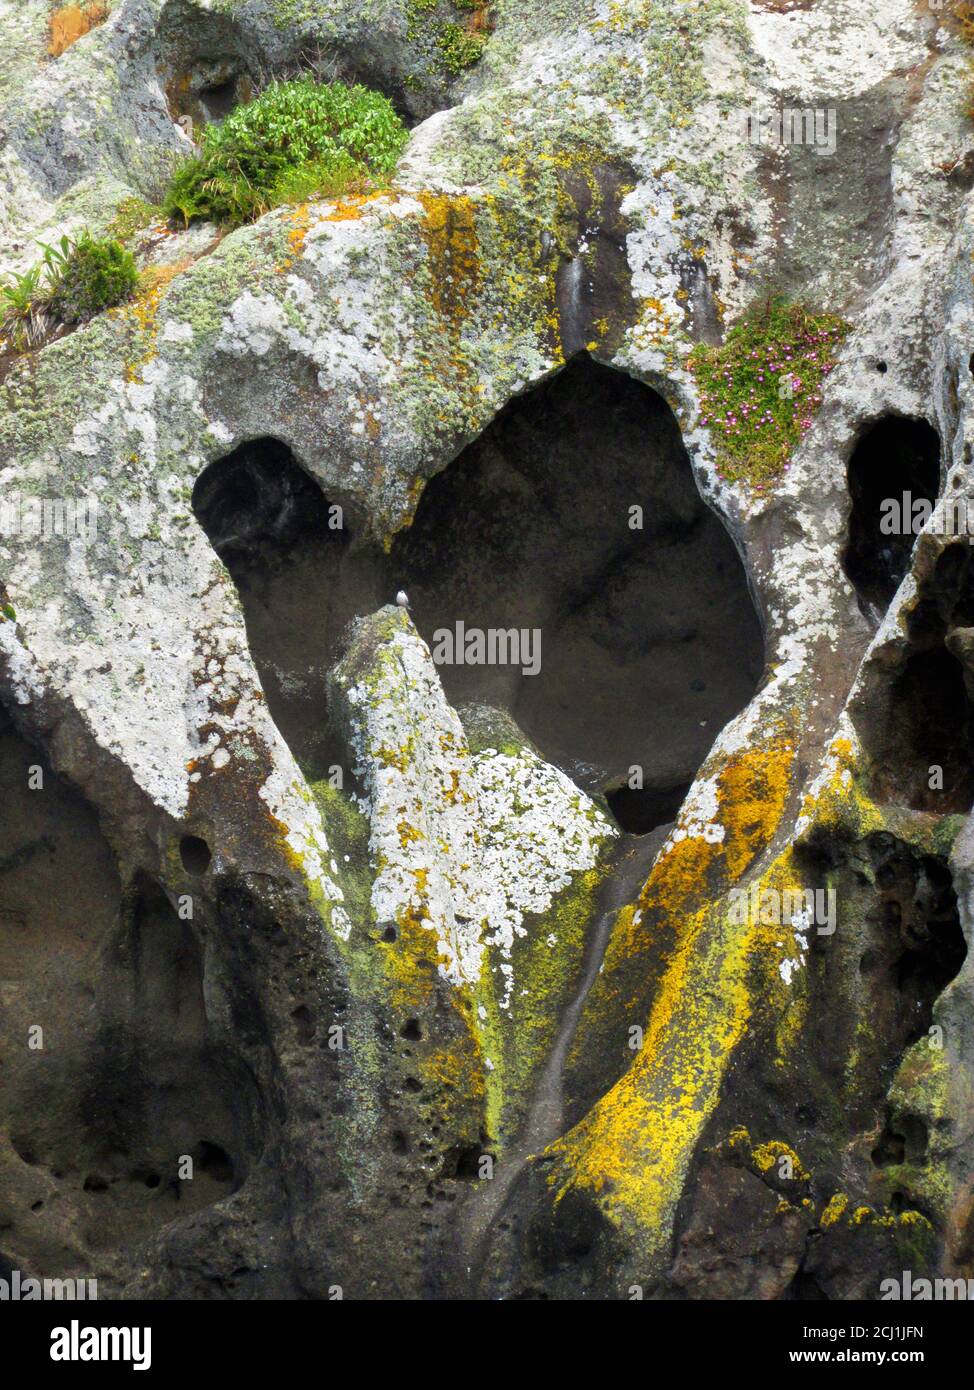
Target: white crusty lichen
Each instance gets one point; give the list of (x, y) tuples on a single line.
[(469, 846)]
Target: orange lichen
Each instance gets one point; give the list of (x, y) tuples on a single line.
[(71, 22), (141, 311), (450, 232), (350, 209), (752, 789)]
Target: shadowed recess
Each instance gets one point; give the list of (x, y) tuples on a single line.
[(918, 722), (895, 456), (572, 525), (649, 638), (101, 1108)]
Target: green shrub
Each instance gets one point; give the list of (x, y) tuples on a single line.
[(760, 388), (93, 274), (297, 138)]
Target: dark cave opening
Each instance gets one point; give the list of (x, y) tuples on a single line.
[(299, 579), (648, 635), (893, 457), (195, 855), (918, 725), (572, 526), (640, 810)]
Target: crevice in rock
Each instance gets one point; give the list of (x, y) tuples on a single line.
[(289, 552), (894, 456)]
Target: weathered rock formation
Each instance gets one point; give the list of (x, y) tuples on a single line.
[(437, 998)]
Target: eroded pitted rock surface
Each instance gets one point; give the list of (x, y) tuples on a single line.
[(427, 1022)]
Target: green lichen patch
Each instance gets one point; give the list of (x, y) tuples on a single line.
[(761, 387)]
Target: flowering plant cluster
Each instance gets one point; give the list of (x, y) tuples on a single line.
[(760, 388)]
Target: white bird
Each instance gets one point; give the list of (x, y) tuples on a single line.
[(402, 599)]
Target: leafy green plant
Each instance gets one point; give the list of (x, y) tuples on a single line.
[(24, 319), (296, 138), (72, 282), (760, 388), (89, 275)]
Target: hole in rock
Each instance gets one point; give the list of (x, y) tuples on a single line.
[(902, 918), (462, 1162), (602, 604), (412, 1031), (646, 641), (640, 810), (917, 938), (918, 723), (195, 855), (287, 548), (215, 1162), (219, 99), (304, 1023), (205, 62), (893, 457), (116, 980)]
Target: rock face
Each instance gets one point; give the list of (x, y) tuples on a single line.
[(597, 924)]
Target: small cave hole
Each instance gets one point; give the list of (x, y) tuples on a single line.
[(641, 810), (304, 1023), (894, 456), (215, 1162), (462, 1162), (890, 1150), (195, 855), (411, 1031), (390, 934), (219, 99)]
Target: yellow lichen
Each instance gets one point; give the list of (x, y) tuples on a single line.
[(834, 1209)]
